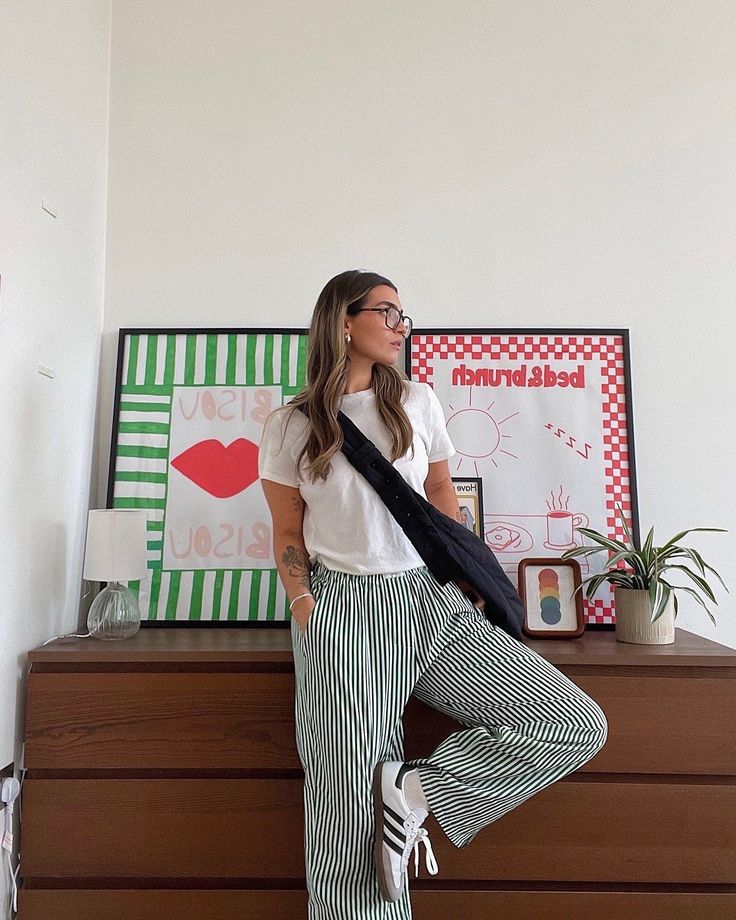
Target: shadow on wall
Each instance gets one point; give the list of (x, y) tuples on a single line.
[(50, 565)]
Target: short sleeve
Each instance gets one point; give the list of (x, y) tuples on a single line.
[(440, 445), (276, 457)]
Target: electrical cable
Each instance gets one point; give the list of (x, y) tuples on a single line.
[(13, 883), (87, 635)]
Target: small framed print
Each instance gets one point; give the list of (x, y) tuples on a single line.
[(552, 607), (469, 491)]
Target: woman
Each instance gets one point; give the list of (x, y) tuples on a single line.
[(370, 626)]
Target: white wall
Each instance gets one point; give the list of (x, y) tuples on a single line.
[(563, 163), (53, 145), (507, 164)]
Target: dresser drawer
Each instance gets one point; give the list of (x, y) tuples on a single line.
[(666, 724), (217, 904), (252, 829), (170, 720), (212, 904), (663, 724), (242, 720)]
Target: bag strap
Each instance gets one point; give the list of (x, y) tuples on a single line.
[(406, 505), (368, 460), (359, 450), (356, 446), (417, 518)]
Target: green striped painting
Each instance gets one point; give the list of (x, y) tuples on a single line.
[(163, 376)]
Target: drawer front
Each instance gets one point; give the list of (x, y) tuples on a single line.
[(59, 904), (225, 828), (665, 725), (148, 721), (234, 721), (427, 905)]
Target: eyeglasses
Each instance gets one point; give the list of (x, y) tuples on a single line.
[(392, 317)]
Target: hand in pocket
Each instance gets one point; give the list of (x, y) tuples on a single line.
[(302, 612)]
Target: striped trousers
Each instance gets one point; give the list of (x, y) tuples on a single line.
[(371, 642)]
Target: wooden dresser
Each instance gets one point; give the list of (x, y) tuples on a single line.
[(163, 783)]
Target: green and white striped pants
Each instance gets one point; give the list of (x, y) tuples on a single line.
[(371, 642)]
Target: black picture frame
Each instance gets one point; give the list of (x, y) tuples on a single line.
[(231, 357), (606, 349), (474, 511)]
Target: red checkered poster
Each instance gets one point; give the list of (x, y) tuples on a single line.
[(543, 417)]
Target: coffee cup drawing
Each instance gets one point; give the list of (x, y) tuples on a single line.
[(561, 526)]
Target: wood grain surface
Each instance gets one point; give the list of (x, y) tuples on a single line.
[(221, 828)]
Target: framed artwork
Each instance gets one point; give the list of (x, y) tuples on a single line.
[(188, 417), (552, 609), (469, 491), (543, 418)]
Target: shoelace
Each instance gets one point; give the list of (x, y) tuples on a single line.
[(415, 837)]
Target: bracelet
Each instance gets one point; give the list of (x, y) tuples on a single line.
[(306, 594)]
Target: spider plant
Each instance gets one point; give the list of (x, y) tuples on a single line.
[(647, 565)]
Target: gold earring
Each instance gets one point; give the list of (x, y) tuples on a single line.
[(348, 338)]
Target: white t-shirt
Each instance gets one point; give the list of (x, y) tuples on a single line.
[(346, 525)]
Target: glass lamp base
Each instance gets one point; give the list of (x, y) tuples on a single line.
[(114, 613)]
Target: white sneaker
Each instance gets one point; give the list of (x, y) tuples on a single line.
[(398, 831)]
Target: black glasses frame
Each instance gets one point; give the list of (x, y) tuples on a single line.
[(402, 320)]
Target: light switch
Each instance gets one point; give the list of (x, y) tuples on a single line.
[(46, 371)]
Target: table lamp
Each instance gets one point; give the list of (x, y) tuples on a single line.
[(115, 552)]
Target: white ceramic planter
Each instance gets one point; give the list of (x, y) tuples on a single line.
[(633, 616)]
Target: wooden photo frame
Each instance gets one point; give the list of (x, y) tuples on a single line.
[(553, 607)]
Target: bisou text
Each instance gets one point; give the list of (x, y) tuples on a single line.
[(223, 541), (227, 405)]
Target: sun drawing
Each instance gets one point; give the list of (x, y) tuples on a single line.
[(477, 435)]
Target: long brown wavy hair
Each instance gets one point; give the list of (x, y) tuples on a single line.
[(327, 374)]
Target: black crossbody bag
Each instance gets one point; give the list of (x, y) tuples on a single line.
[(449, 550)]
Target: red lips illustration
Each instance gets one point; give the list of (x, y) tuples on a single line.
[(221, 471)]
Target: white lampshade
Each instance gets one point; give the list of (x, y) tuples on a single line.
[(116, 546)]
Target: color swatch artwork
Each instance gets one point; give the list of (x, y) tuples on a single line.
[(549, 597)]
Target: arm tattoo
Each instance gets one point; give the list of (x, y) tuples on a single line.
[(297, 562), (296, 503)]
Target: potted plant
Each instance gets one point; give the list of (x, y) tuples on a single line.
[(646, 601)]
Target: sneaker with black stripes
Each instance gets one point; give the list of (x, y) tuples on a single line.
[(398, 831)]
